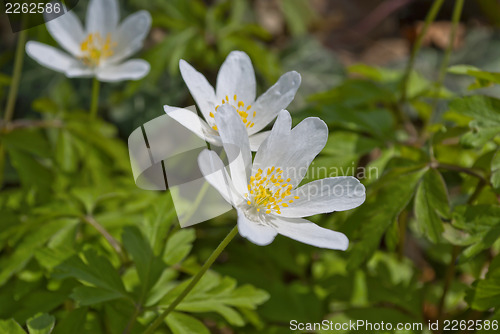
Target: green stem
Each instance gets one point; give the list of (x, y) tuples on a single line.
[(132, 320), (431, 16), (215, 254), (95, 98), (450, 273), (457, 12), (14, 88), (16, 76), (109, 238), (459, 169)]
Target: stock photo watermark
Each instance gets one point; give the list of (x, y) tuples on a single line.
[(164, 155), (24, 14)]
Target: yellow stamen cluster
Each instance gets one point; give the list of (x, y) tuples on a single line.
[(95, 49), (268, 190), (240, 108)]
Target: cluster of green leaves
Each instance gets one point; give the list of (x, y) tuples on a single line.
[(432, 196), (83, 250)]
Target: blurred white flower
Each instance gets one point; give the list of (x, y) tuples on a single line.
[(265, 193), (235, 87), (100, 48)]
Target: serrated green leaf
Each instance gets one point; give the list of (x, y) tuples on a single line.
[(149, 267), (181, 323), (25, 249), (220, 295), (486, 294), (10, 327), (432, 198), (30, 170), (42, 324), (481, 226), (179, 245), (96, 270), (381, 209), (88, 295)]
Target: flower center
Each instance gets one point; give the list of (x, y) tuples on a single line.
[(95, 49), (240, 108), (268, 190)]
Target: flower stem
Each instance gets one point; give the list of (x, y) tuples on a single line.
[(95, 98), (455, 20), (457, 12), (14, 88), (16, 76), (215, 254), (431, 16), (450, 273)]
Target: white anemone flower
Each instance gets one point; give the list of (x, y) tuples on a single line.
[(235, 87), (100, 48), (265, 193)]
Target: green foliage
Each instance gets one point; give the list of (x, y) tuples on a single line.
[(84, 251), (431, 202)]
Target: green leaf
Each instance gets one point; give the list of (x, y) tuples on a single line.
[(26, 248), (481, 226), (66, 152), (179, 245), (391, 195), (96, 270), (486, 294), (432, 198), (87, 295), (481, 108), (27, 140), (159, 218), (149, 267), (220, 295), (486, 118), (181, 323), (483, 78), (10, 327), (42, 324), (30, 170)]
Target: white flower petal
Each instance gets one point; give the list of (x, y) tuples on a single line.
[(325, 195), (309, 233), (130, 35), (67, 31), (236, 77), (293, 151), (214, 171), (79, 71), (201, 90), (191, 121), (133, 69), (102, 16), (257, 233), (236, 145), (51, 57), (275, 99), (257, 139)]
